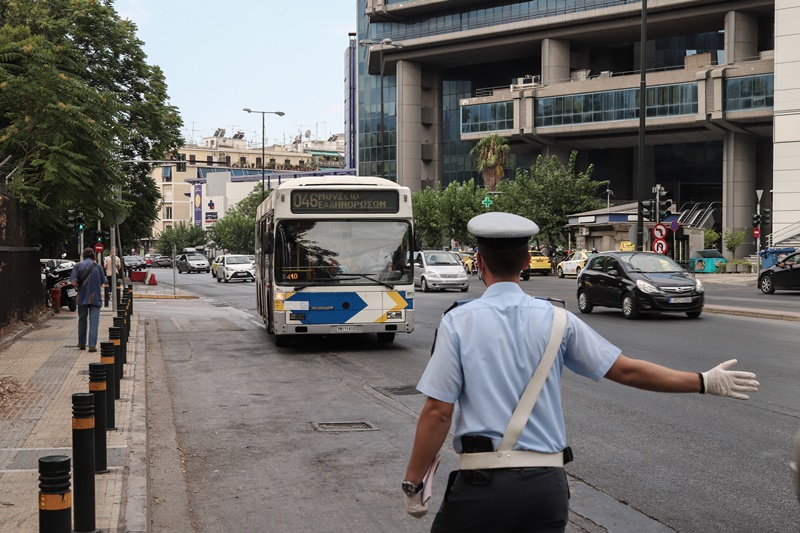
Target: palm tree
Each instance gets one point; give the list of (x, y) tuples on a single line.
[(490, 157)]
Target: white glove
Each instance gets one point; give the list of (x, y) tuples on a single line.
[(721, 381), (414, 505)]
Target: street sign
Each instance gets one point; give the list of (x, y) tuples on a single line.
[(674, 226), (756, 232), (660, 246), (659, 231), (98, 247), (487, 202)]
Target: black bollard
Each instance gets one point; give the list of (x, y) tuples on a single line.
[(129, 296), (97, 386), (119, 323), (83, 460), (114, 336), (55, 497), (107, 358)]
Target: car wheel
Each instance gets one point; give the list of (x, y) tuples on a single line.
[(584, 305), (766, 285), (218, 279), (386, 337), (629, 310), (465, 289), (282, 341), (693, 314), (423, 284), (526, 276), (577, 271), (545, 272), (207, 271), (226, 279), (560, 272)]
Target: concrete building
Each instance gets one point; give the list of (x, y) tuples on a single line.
[(723, 87)]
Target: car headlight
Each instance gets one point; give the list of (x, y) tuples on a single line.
[(698, 285), (646, 288), (433, 274)]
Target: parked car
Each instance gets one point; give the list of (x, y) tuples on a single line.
[(232, 267), (573, 264), (540, 264), (193, 263), (163, 261), (133, 262), (638, 282), (783, 275), (149, 259), (439, 269)]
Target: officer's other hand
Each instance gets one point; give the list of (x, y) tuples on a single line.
[(414, 505), (721, 381)]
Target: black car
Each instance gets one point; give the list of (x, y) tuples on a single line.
[(638, 282), (133, 262), (785, 274)]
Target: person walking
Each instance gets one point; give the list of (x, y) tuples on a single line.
[(111, 259), (88, 278), (511, 473)]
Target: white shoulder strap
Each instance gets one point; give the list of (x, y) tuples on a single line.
[(531, 394)]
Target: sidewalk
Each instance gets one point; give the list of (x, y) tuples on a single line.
[(44, 368)]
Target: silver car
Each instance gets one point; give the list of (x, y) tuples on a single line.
[(193, 263), (439, 269)]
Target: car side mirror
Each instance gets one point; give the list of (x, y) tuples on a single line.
[(613, 272)]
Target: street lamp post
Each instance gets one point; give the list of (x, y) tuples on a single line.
[(263, 145), (384, 43)]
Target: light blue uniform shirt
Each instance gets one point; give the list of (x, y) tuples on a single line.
[(486, 352)]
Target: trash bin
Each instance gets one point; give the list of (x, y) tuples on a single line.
[(770, 256)]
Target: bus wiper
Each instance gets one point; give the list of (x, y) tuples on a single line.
[(323, 281), (369, 277)]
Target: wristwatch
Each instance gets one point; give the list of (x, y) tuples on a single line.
[(410, 489)]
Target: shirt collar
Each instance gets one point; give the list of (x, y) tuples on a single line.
[(502, 288)]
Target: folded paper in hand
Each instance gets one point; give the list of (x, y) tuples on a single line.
[(427, 481)]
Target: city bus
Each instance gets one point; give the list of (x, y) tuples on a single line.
[(334, 256)]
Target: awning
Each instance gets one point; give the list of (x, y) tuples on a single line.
[(325, 153)]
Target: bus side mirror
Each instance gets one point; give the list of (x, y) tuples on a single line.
[(417, 242), (266, 243)]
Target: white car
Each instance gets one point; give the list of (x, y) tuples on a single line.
[(235, 267), (439, 269)]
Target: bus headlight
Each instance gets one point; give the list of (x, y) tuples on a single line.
[(394, 315), (280, 296)]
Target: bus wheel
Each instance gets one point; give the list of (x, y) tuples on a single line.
[(386, 337), (282, 341)]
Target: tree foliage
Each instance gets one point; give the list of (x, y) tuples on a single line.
[(490, 157), (235, 232), (77, 99), (427, 220), (181, 236)]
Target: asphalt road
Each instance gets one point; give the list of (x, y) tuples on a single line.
[(244, 415)]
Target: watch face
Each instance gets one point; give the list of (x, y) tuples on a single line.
[(409, 488)]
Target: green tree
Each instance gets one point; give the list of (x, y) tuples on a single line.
[(181, 236), (78, 99), (732, 240), (710, 239), (458, 204), (427, 220), (490, 157), (236, 231)]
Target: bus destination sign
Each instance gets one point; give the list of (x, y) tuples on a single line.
[(307, 201)]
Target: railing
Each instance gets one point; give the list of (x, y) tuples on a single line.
[(784, 233)]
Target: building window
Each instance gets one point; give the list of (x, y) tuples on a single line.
[(258, 162), (210, 160), (167, 213), (192, 159), (750, 92), (481, 118), (287, 162), (166, 174), (242, 161)]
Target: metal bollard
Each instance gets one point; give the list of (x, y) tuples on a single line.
[(129, 296), (55, 497), (115, 336), (107, 358), (83, 460), (123, 348), (97, 386)]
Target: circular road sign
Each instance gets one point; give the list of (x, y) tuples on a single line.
[(756, 232), (674, 226), (660, 246), (98, 247), (659, 231)]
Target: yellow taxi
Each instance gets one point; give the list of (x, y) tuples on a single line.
[(572, 265), (540, 264), (468, 260)]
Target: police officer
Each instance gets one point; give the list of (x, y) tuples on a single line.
[(485, 353)]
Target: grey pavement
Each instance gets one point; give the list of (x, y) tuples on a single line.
[(44, 368)]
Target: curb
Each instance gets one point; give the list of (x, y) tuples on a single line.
[(165, 297), (738, 311), (23, 330)]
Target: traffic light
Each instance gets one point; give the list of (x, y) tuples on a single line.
[(765, 216), (664, 208), (756, 220), (648, 209), (79, 223)]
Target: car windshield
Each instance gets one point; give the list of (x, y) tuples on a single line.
[(196, 258), (440, 258), (649, 262), (238, 260)]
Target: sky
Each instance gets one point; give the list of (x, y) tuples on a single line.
[(269, 55)]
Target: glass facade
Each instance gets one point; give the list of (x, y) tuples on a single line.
[(751, 92), (623, 104), (495, 116)]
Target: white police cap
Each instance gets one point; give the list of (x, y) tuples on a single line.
[(496, 225)]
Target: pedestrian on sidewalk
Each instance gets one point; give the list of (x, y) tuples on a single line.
[(111, 259), (511, 473), (88, 278)]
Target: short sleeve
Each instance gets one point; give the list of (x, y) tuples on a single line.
[(587, 352), (443, 377)]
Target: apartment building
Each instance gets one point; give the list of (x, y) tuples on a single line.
[(552, 76)]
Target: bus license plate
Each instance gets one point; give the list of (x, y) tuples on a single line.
[(681, 300), (346, 329)]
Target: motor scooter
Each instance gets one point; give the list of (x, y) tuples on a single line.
[(58, 278)]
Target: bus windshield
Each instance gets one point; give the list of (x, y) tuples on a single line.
[(343, 252)]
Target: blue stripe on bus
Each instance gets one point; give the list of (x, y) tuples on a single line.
[(329, 307)]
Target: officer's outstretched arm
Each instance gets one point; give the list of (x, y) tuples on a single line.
[(720, 380)]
